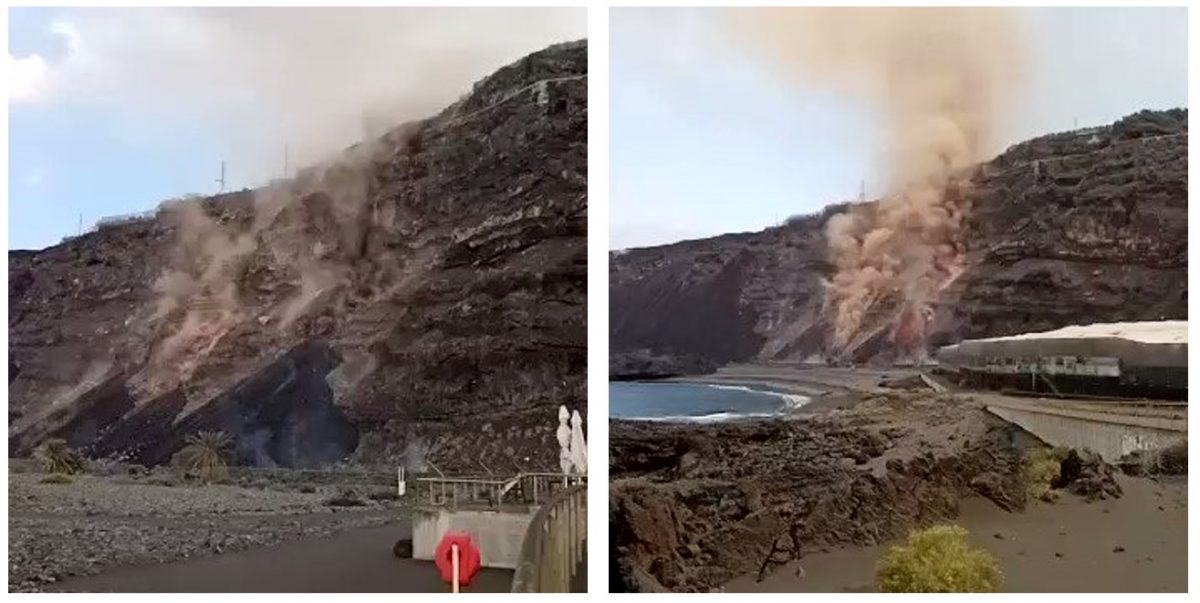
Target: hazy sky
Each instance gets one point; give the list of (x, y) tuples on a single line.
[(113, 110), (706, 140)]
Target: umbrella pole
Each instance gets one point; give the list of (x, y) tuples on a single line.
[(454, 565)]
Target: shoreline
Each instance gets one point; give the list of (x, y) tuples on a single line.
[(821, 390)]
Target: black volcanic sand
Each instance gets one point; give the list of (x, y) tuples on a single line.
[(355, 561), (828, 388), (1136, 543)]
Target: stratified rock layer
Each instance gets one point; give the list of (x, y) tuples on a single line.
[(448, 328)]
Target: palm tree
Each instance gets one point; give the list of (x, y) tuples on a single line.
[(206, 456), (57, 457)]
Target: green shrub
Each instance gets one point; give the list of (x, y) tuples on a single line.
[(57, 457), (58, 478), (1042, 466), (938, 560), (205, 456)]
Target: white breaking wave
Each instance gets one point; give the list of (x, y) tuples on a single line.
[(737, 388), (794, 401), (790, 401), (716, 417)]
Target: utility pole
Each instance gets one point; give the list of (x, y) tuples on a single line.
[(221, 180), (80, 231), (285, 160), (862, 190)]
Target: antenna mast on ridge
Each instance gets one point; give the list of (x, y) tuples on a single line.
[(221, 180)]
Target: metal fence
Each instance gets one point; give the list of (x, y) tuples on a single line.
[(489, 492), (555, 547)]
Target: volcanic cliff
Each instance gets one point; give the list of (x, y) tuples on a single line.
[(420, 298), (1083, 226)]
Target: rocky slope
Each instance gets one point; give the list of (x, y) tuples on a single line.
[(420, 297), (1085, 226), (692, 507)]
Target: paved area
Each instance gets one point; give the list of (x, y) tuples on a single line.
[(354, 561)]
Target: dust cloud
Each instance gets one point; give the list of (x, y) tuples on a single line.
[(943, 80), (335, 85), (305, 236), (315, 80)]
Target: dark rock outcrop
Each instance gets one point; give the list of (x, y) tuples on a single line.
[(422, 294), (634, 365), (691, 507), (1073, 228), (1086, 474)]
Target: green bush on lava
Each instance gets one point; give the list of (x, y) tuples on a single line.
[(58, 458), (938, 560), (205, 456)]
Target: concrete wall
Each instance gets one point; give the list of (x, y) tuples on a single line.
[(498, 534), (1111, 440)]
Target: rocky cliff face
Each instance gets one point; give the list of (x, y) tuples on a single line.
[(421, 297), (1085, 226)]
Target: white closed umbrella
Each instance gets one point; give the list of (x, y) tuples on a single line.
[(578, 444), (564, 439)]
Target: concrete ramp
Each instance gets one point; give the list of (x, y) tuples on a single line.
[(1111, 435)]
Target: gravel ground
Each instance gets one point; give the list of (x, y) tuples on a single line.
[(99, 522)]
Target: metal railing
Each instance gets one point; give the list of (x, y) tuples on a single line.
[(553, 553), (455, 492), (524, 489)]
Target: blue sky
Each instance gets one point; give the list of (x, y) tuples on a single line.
[(704, 140), (90, 161), (112, 111)]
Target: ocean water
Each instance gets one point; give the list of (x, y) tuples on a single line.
[(697, 402)]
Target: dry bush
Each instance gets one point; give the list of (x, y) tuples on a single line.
[(1042, 468), (938, 560)]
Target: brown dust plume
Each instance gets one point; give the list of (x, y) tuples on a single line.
[(942, 79)]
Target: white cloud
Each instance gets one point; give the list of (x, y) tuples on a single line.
[(31, 78), (261, 76), (27, 78)]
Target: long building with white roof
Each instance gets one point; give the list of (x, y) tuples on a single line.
[(1126, 359)]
